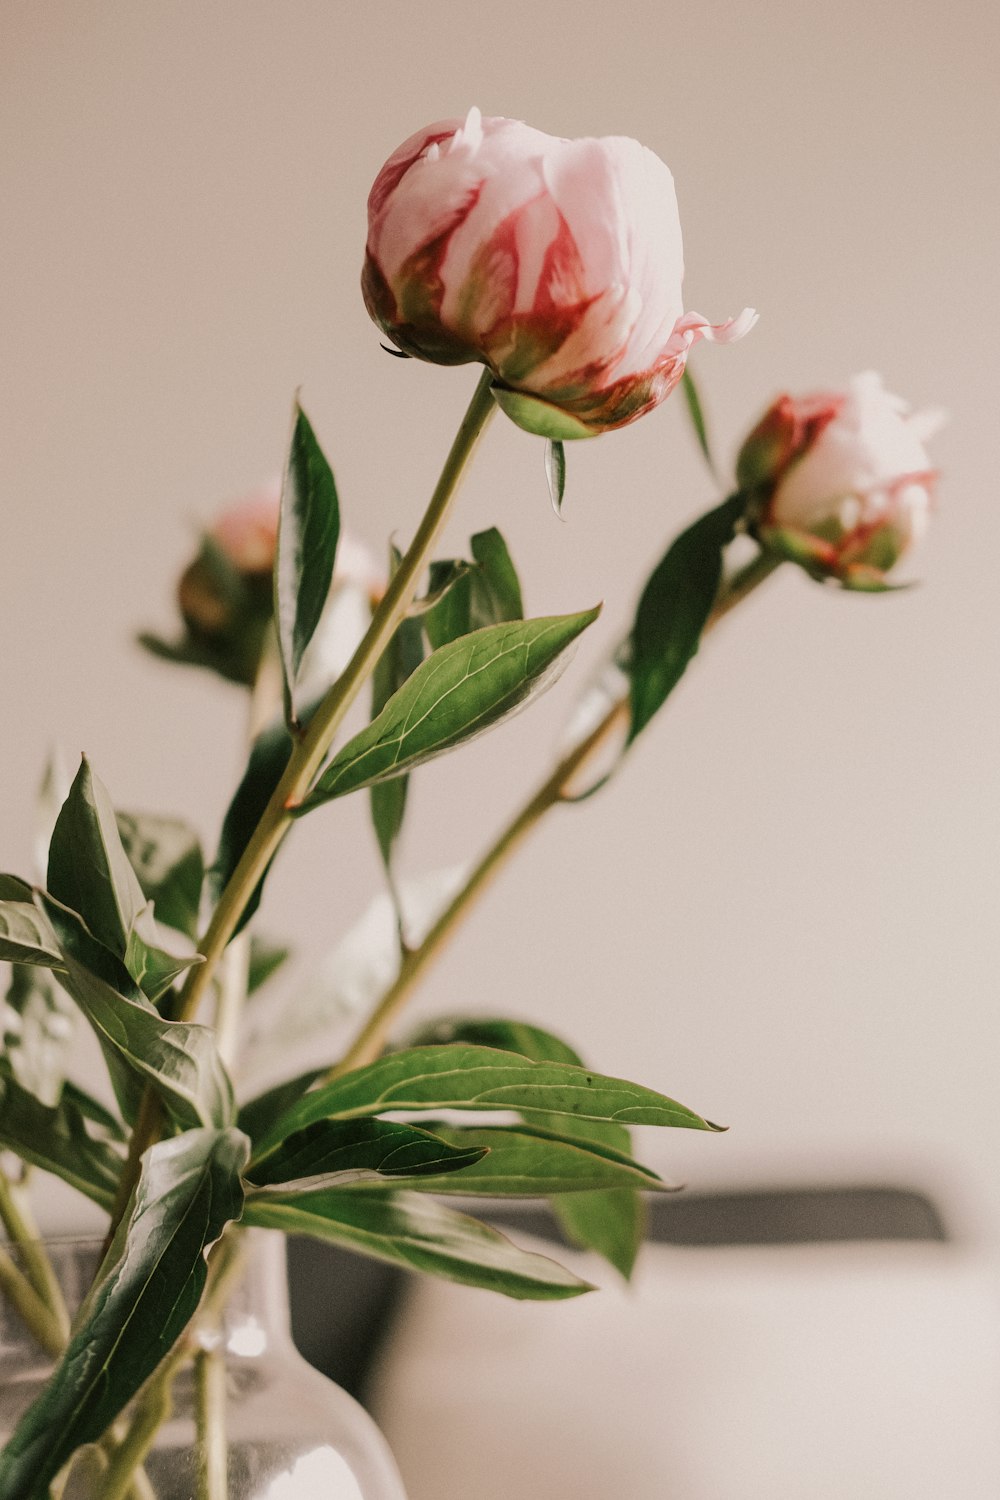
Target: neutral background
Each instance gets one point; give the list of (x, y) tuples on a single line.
[(784, 911)]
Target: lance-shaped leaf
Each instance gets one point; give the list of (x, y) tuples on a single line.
[(55, 1138), (608, 1220), (308, 531), (146, 1293), (25, 936), (521, 1161), (362, 1150), (167, 859), (460, 691), (412, 1230), (90, 873), (674, 609), (13, 888), (465, 1077), (180, 1060)]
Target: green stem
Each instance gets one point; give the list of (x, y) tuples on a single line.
[(210, 1407), (370, 1040), (39, 1319), (310, 751), (19, 1221)]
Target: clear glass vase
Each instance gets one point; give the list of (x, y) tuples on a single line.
[(290, 1433)]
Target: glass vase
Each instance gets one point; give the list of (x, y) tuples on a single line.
[(290, 1433)]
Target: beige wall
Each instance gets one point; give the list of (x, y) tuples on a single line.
[(785, 911)]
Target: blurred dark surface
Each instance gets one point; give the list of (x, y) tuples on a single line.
[(343, 1305)]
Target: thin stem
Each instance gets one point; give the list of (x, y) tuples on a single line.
[(39, 1319), (19, 1221), (557, 788), (210, 1408)]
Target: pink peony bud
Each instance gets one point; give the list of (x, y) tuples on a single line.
[(246, 532), (842, 481), (558, 264)]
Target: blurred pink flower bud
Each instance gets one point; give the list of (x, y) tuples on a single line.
[(246, 532), (842, 481), (558, 264)]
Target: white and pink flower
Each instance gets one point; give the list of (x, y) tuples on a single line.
[(842, 481), (556, 263)]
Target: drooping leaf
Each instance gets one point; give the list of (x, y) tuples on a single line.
[(481, 1078), (308, 531), (410, 1229), (180, 1060), (166, 856), (555, 473), (696, 412), (611, 1223), (361, 1150), (146, 1293), (38, 1037), (674, 609), (55, 1138), (521, 1161), (460, 691), (25, 936)]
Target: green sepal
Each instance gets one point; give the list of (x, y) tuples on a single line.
[(539, 417)]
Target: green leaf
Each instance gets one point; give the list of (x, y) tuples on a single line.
[(555, 473), (520, 1161), (450, 615), (13, 888), (269, 756), (363, 1150), (38, 1033), (90, 873), (55, 1138), (457, 693), (25, 936), (674, 609), (467, 1077), (498, 574), (265, 959), (412, 1230), (696, 412), (180, 1060), (308, 531), (397, 663), (167, 859), (258, 1114), (147, 1291), (612, 1223), (89, 870)]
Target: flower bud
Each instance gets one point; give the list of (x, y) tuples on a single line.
[(557, 264), (841, 482)]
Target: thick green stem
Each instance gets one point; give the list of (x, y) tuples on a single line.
[(370, 1040), (44, 1327), (210, 1406), (19, 1221)]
